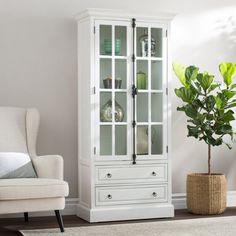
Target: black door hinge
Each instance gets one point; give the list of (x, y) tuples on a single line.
[(134, 91), (133, 123), (134, 159), (133, 23), (133, 58)]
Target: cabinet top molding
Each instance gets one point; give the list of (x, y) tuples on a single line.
[(98, 13)]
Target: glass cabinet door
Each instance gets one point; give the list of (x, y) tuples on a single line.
[(114, 113), (150, 78), (114, 80)]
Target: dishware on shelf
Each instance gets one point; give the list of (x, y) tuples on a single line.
[(143, 41), (141, 80), (106, 112), (107, 46), (107, 83), (142, 139)]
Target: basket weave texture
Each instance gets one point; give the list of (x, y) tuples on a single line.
[(206, 194)]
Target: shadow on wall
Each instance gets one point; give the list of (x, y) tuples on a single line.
[(204, 39)]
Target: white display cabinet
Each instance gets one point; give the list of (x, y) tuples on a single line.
[(124, 116)]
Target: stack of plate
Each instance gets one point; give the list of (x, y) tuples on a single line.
[(108, 46)]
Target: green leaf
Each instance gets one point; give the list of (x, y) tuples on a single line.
[(185, 94), (191, 73), (205, 80), (233, 86), (180, 73), (231, 105), (193, 131), (228, 93), (189, 110), (224, 129), (227, 70), (210, 102), (227, 117), (218, 102), (213, 87)]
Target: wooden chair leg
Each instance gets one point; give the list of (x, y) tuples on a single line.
[(59, 220), (26, 216)]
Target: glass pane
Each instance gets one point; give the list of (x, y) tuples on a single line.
[(105, 140), (120, 74), (120, 140), (156, 42), (105, 40), (142, 75), (105, 107), (120, 41), (142, 140), (142, 107), (120, 107), (142, 41), (157, 110), (157, 144), (156, 75), (105, 73)]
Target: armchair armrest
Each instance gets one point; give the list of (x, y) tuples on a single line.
[(50, 166)]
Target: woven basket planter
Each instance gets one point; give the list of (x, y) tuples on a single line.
[(206, 194)]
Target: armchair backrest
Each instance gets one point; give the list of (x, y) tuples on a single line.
[(18, 130)]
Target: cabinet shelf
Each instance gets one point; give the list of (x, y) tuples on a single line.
[(149, 123), (113, 123), (149, 58), (110, 57), (110, 90), (149, 91)]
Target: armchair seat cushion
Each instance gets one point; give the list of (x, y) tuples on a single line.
[(32, 188)]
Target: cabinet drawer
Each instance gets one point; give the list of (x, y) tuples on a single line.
[(135, 173), (130, 195)]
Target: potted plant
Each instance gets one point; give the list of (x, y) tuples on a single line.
[(208, 106)]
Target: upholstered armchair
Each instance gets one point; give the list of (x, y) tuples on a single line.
[(18, 134)]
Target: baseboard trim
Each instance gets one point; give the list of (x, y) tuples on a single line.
[(70, 209), (178, 200)]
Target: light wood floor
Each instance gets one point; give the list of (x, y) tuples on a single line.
[(10, 227)]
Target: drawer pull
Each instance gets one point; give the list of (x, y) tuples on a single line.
[(109, 196), (154, 194), (154, 173), (109, 175)]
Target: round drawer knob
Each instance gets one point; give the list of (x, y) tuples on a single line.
[(154, 173), (154, 194), (109, 196), (109, 175)]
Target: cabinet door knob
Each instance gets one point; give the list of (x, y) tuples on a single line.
[(109, 196), (154, 194), (109, 175), (154, 173)]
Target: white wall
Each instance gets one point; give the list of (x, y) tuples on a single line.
[(38, 63)]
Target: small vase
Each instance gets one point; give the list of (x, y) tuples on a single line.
[(141, 80), (143, 40), (106, 112)]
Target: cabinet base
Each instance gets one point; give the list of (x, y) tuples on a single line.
[(125, 212)]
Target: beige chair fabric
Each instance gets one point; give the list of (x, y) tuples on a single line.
[(19, 128)]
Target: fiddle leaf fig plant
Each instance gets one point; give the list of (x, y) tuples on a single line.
[(207, 104)]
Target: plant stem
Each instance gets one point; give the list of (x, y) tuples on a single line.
[(209, 159)]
